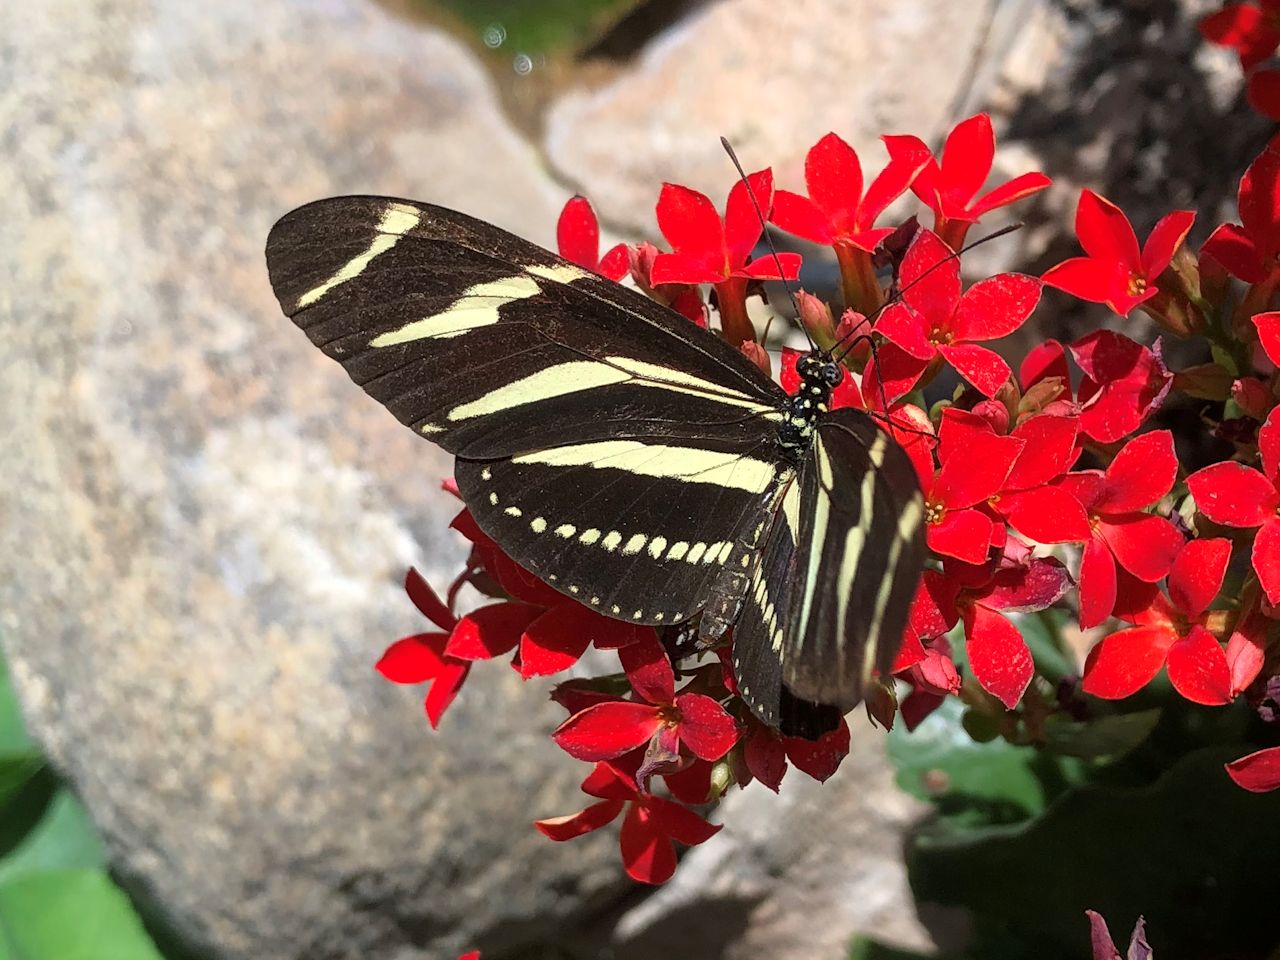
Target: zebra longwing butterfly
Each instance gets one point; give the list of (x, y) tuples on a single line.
[(631, 459)]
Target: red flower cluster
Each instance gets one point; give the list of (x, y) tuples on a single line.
[(1036, 495)]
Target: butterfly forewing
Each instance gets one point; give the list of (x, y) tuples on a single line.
[(480, 341)]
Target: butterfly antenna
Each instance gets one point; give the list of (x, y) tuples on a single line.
[(764, 230), (955, 255)]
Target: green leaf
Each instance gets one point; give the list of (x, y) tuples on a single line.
[(69, 915), (1192, 852), (64, 837), (1101, 738), (939, 762)]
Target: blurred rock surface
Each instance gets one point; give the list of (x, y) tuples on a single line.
[(205, 523)]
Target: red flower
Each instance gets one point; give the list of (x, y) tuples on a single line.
[(975, 463), (1252, 31), (836, 212), (1170, 630), (578, 238), (1124, 383), (1028, 501), (664, 720), (980, 596), (1142, 543), (421, 658), (1263, 92), (1249, 250), (650, 826), (950, 188), (934, 318), (472, 955), (1115, 272), (766, 753), (1238, 496), (1257, 772), (708, 250)]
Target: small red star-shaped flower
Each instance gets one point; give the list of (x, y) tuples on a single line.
[(649, 828), (1238, 496), (578, 239), (1124, 384), (950, 188), (1169, 630), (836, 211), (936, 318), (662, 718), (1250, 250), (1116, 272), (975, 464), (1252, 30), (1145, 545)]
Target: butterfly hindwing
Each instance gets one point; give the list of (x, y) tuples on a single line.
[(859, 554), (479, 340)]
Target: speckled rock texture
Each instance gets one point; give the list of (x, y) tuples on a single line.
[(204, 523)]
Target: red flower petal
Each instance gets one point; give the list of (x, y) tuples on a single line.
[(938, 671), (1268, 327), (1098, 281), (930, 278), (648, 855), (785, 267), (1010, 192), (426, 600), (822, 757), (689, 221), (999, 656), (1048, 359), (576, 824), (1234, 495), (578, 233), (1042, 582), (1084, 485), (1197, 574), (1246, 655), (490, 631), (1198, 669), (995, 307), (1236, 251), (742, 224), (691, 785), (415, 659), (607, 730), (613, 780), (680, 823), (981, 466), (892, 182), (557, 639), (966, 161), (649, 669), (1259, 200), (1143, 543), (1105, 232), (686, 268), (983, 368), (891, 374), (1258, 772), (705, 727), (963, 534), (933, 609), (833, 176), (1263, 92), (1097, 584), (800, 216), (1141, 473), (1266, 559), (901, 325), (765, 758), (1049, 452), (1240, 26), (1045, 514), (444, 688), (1164, 240), (1269, 446), (616, 263), (1126, 661)]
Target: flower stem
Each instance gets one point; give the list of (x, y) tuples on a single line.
[(858, 280)]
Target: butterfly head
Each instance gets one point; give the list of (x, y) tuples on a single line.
[(819, 371)]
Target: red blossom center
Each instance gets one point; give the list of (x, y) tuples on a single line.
[(1137, 285), (940, 336), (934, 512), (669, 714)]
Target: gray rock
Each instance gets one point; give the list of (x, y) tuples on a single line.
[(773, 80), (205, 522)]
